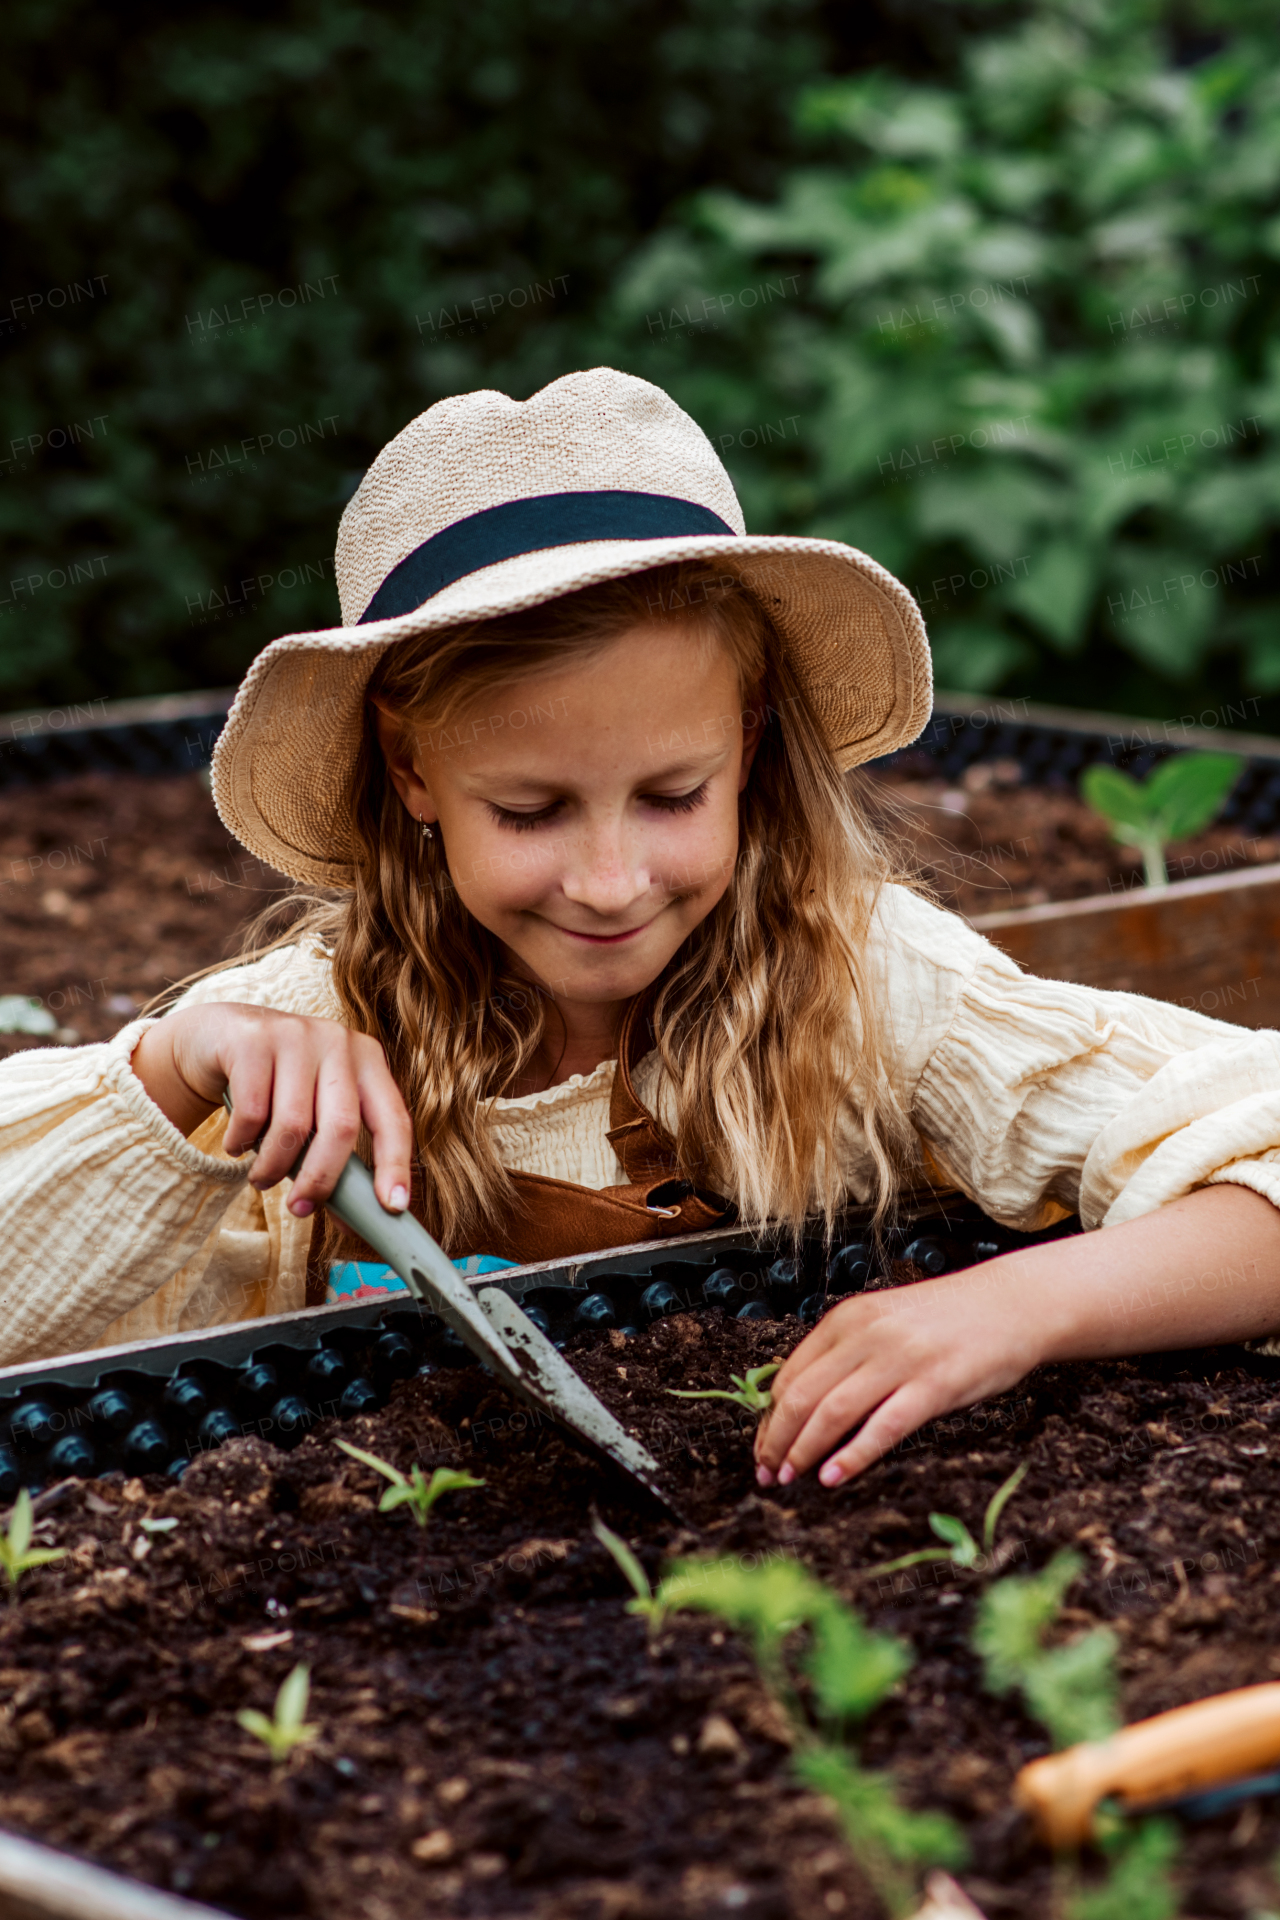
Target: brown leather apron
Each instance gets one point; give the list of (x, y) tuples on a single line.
[(558, 1220)]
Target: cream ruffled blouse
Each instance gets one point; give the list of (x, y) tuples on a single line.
[(1032, 1095)]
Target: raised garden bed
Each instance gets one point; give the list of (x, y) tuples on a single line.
[(496, 1735), (1038, 872)]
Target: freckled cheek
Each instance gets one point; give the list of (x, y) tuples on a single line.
[(503, 871), (701, 861)]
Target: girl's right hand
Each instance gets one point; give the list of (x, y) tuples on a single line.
[(290, 1076)]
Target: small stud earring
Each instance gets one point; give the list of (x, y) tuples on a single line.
[(427, 832)]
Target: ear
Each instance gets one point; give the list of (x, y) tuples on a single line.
[(753, 710), (404, 765)]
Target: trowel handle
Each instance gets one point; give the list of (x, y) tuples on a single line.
[(1183, 1751)]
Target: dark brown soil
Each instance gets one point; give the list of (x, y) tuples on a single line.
[(111, 887), (484, 1685), (986, 843)]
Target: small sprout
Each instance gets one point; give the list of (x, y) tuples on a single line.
[(649, 1605), (1180, 797), (749, 1389), (158, 1526), (1139, 1883), (961, 1549), (17, 1555), (890, 1842), (413, 1490), (288, 1726), (998, 1502), (1072, 1689), (850, 1669)]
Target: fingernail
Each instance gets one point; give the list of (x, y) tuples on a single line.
[(832, 1474), (786, 1474), (301, 1208), (399, 1199), (764, 1477)]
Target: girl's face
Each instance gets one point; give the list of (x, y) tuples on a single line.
[(590, 813)]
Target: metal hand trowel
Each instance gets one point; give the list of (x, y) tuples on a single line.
[(491, 1324)]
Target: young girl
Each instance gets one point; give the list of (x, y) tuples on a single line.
[(600, 946)]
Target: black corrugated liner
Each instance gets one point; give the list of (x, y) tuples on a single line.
[(153, 1406)]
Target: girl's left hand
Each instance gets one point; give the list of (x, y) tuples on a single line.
[(1197, 1271), (892, 1360)]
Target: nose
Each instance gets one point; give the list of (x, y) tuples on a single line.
[(605, 871)]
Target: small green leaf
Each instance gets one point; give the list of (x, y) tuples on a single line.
[(158, 1526), (384, 1467), (447, 1480), (851, 1667), (291, 1700), (394, 1497), (1117, 797), (1188, 790), (21, 1525), (999, 1501), (964, 1548), (625, 1558)]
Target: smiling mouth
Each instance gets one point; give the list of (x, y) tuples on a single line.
[(605, 939)]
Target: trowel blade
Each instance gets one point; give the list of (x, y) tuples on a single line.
[(492, 1325)]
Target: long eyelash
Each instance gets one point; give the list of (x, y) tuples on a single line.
[(519, 822), (526, 822), (685, 803)]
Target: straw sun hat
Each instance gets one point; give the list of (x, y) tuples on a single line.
[(485, 505)]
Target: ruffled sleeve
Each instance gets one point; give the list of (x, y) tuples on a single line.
[(1040, 1098), (115, 1227)]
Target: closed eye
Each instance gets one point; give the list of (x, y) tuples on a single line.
[(664, 802)]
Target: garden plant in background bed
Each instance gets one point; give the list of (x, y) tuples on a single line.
[(492, 1727)]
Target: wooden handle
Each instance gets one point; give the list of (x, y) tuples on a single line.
[(1223, 1738)]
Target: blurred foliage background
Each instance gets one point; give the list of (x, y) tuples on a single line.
[(986, 289)]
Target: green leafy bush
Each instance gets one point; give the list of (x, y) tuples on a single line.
[(1181, 796), (245, 246), (1028, 363)]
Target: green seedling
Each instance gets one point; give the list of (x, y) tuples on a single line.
[(961, 1549), (847, 1670), (1071, 1690), (748, 1391), (1139, 1883), (650, 1606), (17, 1555), (412, 1490), (158, 1526), (288, 1726), (1178, 798)]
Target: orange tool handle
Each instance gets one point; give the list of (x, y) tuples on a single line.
[(1223, 1738)]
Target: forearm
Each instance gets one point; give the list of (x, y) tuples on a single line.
[(1202, 1270)]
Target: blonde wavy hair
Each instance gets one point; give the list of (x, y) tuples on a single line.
[(761, 1019)]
